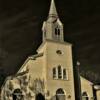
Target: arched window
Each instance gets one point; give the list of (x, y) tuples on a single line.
[(60, 95), (85, 96), (59, 72), (64, 74), (17, 94), (59, 91), (57, 31), (54, 72)]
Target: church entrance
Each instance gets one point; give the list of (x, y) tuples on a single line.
[(17, 95), (39, 96), (60, 95)]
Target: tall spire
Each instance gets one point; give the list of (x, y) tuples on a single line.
[(53, 11), (52, 27)]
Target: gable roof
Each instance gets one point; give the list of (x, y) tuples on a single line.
[(33, 57)]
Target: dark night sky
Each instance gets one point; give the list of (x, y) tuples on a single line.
[(20, 32)]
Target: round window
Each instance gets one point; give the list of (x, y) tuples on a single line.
[(59, 52)]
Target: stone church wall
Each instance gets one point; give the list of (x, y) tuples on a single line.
[(86, 86)]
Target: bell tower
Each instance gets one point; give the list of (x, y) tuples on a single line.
[(52, 27)]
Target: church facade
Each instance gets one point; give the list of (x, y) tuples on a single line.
[(49, 75)]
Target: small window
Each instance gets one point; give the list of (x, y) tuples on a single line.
[(59, 52), (54, 72), (64, 74), (59, 72)]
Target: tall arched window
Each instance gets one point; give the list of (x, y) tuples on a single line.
[(59, 72), (64, 74), (54, 72), (85, 96), (57, 31)]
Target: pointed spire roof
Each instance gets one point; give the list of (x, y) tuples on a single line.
[(53, 11)]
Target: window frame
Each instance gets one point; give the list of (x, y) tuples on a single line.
[(57, 32), (56, 73)]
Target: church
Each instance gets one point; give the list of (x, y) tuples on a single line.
[(51, 73)]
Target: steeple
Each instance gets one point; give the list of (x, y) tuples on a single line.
[(53, 11), (52, 27)]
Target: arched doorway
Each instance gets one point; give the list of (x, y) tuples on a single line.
[(60, 95), (39, 96), (85, 96), (17, 94)]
